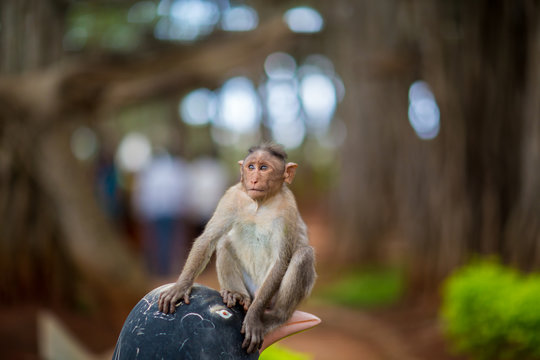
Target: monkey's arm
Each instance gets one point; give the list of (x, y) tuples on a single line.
[(200, 254)]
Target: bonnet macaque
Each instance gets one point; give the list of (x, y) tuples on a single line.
[(263, 258)]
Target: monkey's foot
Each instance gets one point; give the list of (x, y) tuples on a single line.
[(231, 298), (253, 335)]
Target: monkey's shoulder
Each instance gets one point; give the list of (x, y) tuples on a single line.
[(234, 191), (237, 195), (234, 198), (285, 205)]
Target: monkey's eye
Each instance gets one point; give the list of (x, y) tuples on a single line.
[(264, 167), (251, 167), (224, 313)]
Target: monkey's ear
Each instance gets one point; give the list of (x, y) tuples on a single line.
[(241, 163), (290, 171)]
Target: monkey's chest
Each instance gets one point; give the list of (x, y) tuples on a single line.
[(256, 248)]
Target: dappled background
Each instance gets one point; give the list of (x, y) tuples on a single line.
[(415, 124)]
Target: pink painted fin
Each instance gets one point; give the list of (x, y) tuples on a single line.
[(299, 321)]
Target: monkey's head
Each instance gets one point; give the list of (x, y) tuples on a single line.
[(264, 170)]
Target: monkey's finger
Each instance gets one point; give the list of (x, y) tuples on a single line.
[(223, 294), (186, 297), (247, 304), (259, 343), (167, 300), (171, 303), (247, 340), (239, 299), (250, 347), (162, 297), (254, 344), (231, 301), (164, 306)]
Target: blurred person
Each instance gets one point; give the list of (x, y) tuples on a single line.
[(161, 200), (107, 187), (208, 182)]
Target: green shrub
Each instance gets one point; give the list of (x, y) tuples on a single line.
[(366, 288), (276, 352), (492, 312)]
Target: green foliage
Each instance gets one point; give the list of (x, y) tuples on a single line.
[(104, 25), (276, 352), (493, 312), (366, 288)]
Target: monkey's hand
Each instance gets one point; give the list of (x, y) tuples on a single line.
[(231, 298), (170, 296), (253, 330)]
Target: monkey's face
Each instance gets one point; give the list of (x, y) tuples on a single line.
[(262, 175)]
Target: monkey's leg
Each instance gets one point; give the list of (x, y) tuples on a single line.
[(295, 286), (233, 289)]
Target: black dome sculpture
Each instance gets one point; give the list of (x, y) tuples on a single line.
[(204, 329)]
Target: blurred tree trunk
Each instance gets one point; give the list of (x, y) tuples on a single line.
[(478, 59), (53, 231), (475, 188), (522, 233), (31, 36), (33, 257), (368, 44)]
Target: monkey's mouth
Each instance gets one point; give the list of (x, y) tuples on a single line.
[(258, 190)]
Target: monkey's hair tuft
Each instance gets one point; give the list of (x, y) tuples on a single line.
[(271, 148)]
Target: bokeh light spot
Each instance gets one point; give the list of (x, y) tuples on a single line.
[(198, 107), (239, 18), (282, 102), (304, 19), (84, 143), (186, 20), (318, 96), (134, 152), (280, 65), (420, 90), (318, 63), (424, 114), (239, 107), (290, 135), (195, 12)]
